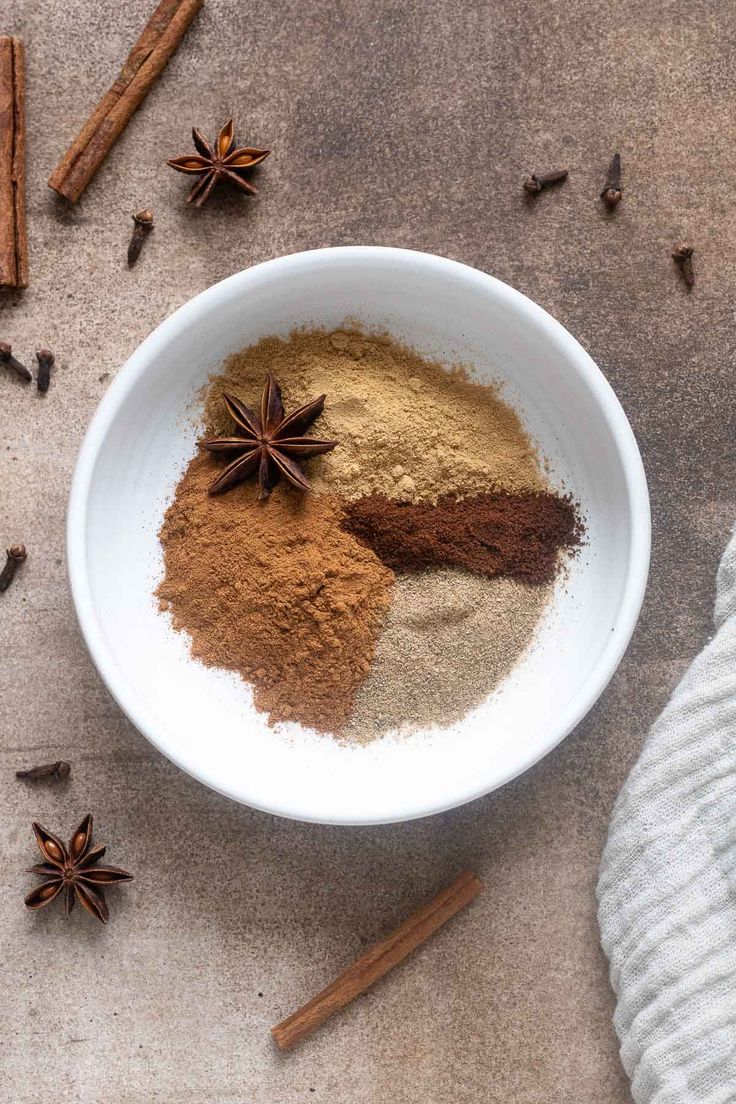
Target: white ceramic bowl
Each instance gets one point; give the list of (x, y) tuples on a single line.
[(143, 435)]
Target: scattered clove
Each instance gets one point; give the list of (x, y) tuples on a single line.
[(143, 226), (7, 358), (612, 193), (16, 555), (537, 181), (682, 255), (55, 771), (45, 360)]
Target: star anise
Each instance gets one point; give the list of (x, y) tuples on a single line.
[(221, 162), (270, 443), (75, 870)]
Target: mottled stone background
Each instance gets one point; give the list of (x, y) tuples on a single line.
[(405, 124)]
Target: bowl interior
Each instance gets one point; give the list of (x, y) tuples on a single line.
[(145, 432)]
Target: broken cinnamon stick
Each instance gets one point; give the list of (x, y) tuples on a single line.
[(13, 235), (378, 960), (160, 38)]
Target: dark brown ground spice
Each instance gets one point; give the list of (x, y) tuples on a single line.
[(516, 535)]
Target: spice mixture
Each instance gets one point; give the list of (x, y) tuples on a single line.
[(401, 589)]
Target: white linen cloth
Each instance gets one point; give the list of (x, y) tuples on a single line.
[(667, 885)]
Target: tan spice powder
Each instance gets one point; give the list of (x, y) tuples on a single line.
[(407, 427), (276, 591)]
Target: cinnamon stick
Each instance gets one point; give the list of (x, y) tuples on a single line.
[(160, 38), (378, 960), (13, 235)]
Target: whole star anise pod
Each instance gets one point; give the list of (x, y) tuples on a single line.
[(73, 869), (222, 162), (270, 443)]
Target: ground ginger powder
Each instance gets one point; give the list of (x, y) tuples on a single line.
[(276, 591), (406, 426)]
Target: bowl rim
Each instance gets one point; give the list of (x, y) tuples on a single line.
[(140, 362)]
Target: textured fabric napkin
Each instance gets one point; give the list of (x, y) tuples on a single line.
[(667, 887)]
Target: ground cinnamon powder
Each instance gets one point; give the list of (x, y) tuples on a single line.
[(518, 536), (276, 591)]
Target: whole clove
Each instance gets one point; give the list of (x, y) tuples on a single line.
[(55, 772), (142, 228), (612, 193), (7, 358), (15, 557), (45, 360), (534, 184), (682, 255)]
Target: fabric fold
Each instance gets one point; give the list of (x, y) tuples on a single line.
[(667, 885)]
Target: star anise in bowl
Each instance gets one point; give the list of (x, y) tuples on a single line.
[(74, 870), (270, 443), (218, 162)]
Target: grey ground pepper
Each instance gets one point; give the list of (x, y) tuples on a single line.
[(449, 639)]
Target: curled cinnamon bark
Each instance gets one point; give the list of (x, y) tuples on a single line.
[(378, 960), (160, 38), (13, 234)]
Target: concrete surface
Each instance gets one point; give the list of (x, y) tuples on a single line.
[(406, 124)]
